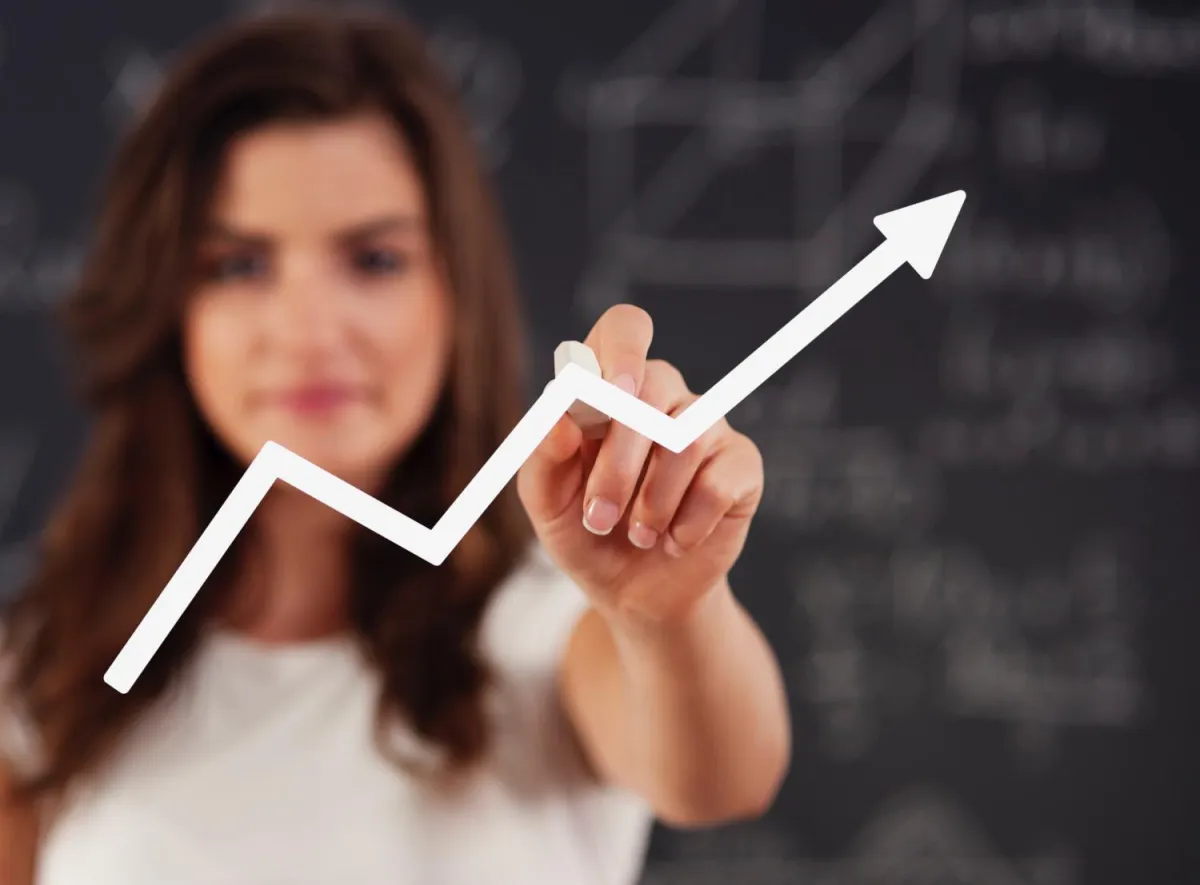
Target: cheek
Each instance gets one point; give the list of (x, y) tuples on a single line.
[(415, 351), (401, 352), (214, 361)]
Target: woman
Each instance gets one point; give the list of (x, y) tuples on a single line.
[(296, 244)]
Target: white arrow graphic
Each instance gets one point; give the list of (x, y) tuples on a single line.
[(914, 235)]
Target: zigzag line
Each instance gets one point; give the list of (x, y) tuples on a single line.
[(275, 462)]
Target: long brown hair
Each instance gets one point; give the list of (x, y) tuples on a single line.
[(153, 475)]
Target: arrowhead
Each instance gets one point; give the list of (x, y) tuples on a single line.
[(921, 230)]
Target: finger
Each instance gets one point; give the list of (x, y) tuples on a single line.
[(667, 479), (591, 420), (621, 340), (552, 478), (623, 454), (728, 484)]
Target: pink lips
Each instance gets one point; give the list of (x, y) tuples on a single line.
[(315, 399)]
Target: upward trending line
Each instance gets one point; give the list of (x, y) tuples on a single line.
[(915, 234)]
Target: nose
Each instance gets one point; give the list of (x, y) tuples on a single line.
[(308, 320)]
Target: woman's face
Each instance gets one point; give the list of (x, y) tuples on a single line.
[(321, 320)]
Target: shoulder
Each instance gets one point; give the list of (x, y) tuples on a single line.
[(526, 629), (526, 633), (531, 617)]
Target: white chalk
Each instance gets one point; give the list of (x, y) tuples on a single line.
[(593, 423)]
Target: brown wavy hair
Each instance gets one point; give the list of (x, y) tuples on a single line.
[(153, 476)]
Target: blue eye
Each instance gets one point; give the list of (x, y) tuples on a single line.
[(379, 262), (235, 266)]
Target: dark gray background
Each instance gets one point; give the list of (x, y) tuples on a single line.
[(978, 554)]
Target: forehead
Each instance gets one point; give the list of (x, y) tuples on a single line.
[(312, 176)]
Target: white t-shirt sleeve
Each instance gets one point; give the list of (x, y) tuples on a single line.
[(525, 636), (532, 617)]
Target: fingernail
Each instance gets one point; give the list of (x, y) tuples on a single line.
[(641, 535), (600, 517), (626, 383), (671, 548)]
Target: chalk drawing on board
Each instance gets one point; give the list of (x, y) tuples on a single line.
[(486, 71), (1113, 36), (827, 475), (36, 271), (1099, 401), (135, 75), (922, 836), (938, 629), (1102, 399), (1110, 254), (918, 837), (733, 112), (1032, 131), (488, 74)]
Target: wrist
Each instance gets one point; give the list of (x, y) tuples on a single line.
[(675, 637)]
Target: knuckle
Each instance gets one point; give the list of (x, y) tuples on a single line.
[(668, 380), (693, 456), (615, 481), (711, 438), (653, 513), (687, 535), (700, 448), (673, 373), (714, 493), (752, 453), (657, 387), (654, 507)]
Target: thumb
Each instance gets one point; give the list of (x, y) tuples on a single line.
[(553, 477)]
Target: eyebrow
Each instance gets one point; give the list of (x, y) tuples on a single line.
[(373, 227)]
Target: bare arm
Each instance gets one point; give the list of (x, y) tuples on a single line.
[(18, 836), (693, 717)]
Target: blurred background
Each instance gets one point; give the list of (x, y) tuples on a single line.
[(978, 553)]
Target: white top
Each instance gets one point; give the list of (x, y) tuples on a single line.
[(263, 771)]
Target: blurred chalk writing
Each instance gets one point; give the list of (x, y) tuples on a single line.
[(489, 78), (1109, 35), (918, 836), (795, 131), (824, 473), (36, 266), (940, 631)]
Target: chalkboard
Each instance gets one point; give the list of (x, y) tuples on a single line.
[(978, 552)]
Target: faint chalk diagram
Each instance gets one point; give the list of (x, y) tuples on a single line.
[(735, 114), (920, 836), (934, 628), (486, 71)]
